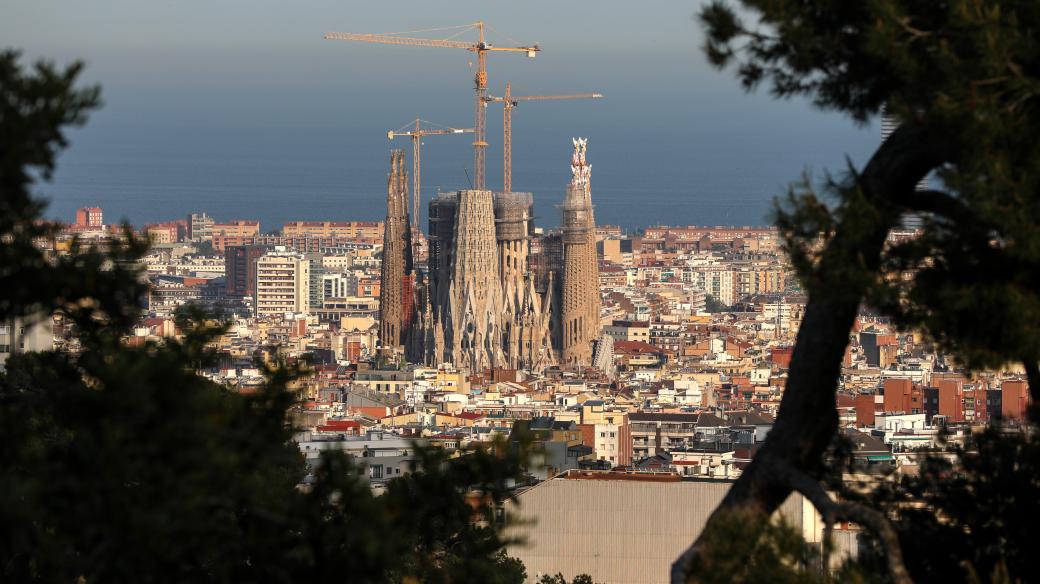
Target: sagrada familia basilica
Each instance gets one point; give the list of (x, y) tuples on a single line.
[(482, 302)]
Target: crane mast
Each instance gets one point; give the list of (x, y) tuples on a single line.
[(417, 135), (481, 48), (510, 101)]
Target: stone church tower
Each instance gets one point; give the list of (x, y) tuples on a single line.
[(474, 298), (480, 306), (482, 309), (579, 311), (526, 314), (396, 288)]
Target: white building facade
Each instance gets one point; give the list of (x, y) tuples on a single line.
[(282, 283)]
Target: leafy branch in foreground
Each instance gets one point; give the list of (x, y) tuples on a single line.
[(961, 78), (123, 464)]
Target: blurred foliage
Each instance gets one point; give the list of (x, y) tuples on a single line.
[(970, 516), (969, 69), (560, 579), (121, 464), (712, 304), (745, 549), (962, 76)]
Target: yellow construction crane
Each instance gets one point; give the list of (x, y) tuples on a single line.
[(481, 47), (510, 101), (416, 133)]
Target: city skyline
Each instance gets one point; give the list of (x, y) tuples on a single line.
[(240, 346)]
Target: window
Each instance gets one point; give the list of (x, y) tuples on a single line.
[(376, 472)]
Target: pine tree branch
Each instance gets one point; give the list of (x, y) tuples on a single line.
[(832, 511), (940, 203), (807, 420)]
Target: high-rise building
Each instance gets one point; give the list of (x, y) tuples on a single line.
[(580, 302), (1014, 400), (282, 283), (950, 396), (317, 270), (338, 285), (240, 269), (395, 294), (89, 217), (200, 227)]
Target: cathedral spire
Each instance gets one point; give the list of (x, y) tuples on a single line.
[(395, 294), (579, 318)]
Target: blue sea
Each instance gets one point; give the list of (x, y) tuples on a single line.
[(274, 174), (254, 116)]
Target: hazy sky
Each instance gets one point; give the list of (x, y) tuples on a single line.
[(234, 77)]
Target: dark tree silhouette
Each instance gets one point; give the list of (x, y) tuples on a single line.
[(962, 78), (121, 464)]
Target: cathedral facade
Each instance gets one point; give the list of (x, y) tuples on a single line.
[(479, 306)]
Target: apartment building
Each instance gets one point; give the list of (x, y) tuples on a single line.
[(240, 268), (89, 217), (200, 227), (337, 262), (19, 336), (238, 228), (283, 282), (372, 230), (654, 433), (338, 285), (628, 330), (716, 281)]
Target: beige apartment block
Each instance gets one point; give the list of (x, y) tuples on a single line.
[(349, 229), (282, 283), (238, 228)]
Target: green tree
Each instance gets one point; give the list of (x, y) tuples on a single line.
[(962, 78), (712, 304), (205, 249), (970, 518), (561, 579), (121, 464)]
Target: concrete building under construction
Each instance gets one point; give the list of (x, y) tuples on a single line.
[(479, 306)]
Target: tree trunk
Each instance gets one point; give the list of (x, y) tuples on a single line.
[(807, 419)]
